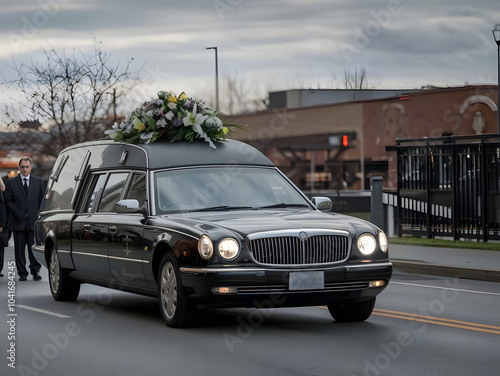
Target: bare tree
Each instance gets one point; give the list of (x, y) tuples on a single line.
[(239, 97), (64, 99), (356, 80)]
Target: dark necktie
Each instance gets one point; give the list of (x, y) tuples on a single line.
[(26, 185)]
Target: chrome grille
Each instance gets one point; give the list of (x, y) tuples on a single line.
[(292, 250)]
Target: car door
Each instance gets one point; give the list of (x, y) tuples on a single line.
[(92, 223), (125, 247)]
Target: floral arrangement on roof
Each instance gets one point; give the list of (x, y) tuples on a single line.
[(174, 118)]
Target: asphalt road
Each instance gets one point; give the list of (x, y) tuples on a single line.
[(421, 326)]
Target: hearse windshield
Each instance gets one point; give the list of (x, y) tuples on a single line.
[(224, 188)]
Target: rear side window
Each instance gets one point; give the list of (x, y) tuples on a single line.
[(112, 192), (137, 189), (104, 190), (61, 185), (95, 188)]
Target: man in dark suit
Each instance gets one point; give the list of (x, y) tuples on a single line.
[(23, 197)]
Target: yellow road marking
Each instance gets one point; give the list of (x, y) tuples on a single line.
[(438, 321), (435, 320)]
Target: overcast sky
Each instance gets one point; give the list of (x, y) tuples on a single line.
[(268, 44)]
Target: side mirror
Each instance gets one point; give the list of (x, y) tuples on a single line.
[(130, 206), (127, 206), (322, 203)]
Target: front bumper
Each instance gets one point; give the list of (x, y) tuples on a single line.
[(251, 286)]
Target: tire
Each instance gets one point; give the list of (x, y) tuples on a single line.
[(176, 309), (62, 286), (352, 312)]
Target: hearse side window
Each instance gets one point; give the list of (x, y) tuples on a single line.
[(112, 192), (61, 186), (95, 186), (137, 189)]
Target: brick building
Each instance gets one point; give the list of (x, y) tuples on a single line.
[(306, 142)]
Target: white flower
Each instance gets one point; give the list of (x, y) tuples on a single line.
[(210, 111), (169, 115), (172, 106), (111, 133), (162, 123), (214, 122), (193, 118)]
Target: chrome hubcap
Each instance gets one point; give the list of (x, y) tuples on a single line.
[(54, 272), (168, 286)]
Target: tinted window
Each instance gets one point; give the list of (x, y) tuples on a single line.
[(62, 184), (112, 192), (137, 189), (95, 187)]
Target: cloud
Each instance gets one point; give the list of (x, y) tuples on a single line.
[(273, 43)]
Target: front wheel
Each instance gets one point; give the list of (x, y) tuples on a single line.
[(177, 310), (352, 312), (62, 286)]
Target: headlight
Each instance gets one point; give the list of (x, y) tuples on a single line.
[(229, 249), (205, 247), (382, 239), (367, 244)]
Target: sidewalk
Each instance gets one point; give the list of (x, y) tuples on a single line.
[(446, 262)]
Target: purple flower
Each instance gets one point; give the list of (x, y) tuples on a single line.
[(189, 104), (176, 122)]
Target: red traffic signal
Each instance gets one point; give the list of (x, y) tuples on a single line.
[(345, 140), (342, 140)]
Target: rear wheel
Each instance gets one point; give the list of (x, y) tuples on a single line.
[(62, 286), (351, 312), (177, 310)]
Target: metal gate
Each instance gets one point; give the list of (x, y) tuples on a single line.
[(450, 187)]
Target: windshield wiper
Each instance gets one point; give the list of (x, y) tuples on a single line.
[(221, 207), (283, 205)]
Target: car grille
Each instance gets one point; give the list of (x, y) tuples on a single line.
[(298, 249)]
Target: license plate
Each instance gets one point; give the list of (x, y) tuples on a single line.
[(306, 281)]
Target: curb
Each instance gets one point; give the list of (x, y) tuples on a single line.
[(416, 267)]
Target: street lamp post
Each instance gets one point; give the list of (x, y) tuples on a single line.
[(496, 35), (216, 77)]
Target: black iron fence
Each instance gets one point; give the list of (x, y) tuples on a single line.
[(449, 186)]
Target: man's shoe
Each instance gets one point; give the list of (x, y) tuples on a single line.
[(1, 274), (37, 277), (23, 278)]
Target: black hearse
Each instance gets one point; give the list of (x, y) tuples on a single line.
[(200, 227)]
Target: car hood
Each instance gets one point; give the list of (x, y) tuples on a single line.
[(247, 222)]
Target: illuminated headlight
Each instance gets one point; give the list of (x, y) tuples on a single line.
[(229, 249), (367, 244), (382, 239), (205, 247)]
